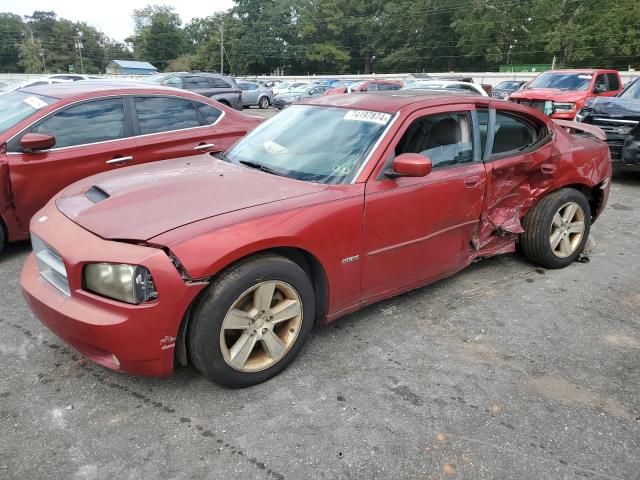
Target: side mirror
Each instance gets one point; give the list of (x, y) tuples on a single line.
[(599, 89), (33, 142), (409, 165)]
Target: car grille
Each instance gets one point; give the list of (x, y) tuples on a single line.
[(50, 265), (614, 125)]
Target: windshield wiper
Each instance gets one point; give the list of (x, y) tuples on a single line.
[(261, 167)]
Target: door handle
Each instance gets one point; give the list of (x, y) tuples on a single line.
[(119, 160), (205, 146), (548, 168), (472, 182)]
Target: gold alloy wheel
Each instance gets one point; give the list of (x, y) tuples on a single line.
[(261, 326), (567, 229)]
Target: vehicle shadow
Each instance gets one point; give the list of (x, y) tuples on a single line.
[(626, 177), (14, 250)]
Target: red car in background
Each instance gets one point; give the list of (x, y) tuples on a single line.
[(53, 135), (229, 260), (561, 93), (367, 86)]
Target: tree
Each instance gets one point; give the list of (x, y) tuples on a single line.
[(30, 59), (12, 32), (158, 36)]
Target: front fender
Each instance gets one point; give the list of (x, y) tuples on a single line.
[(330, 232)]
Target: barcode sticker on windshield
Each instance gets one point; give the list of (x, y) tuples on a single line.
[(585, 77), (366, 116), (35, 102)]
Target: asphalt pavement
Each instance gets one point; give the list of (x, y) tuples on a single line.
[(504, 371)]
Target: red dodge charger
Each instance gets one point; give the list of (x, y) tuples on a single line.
[(53, 135), (228, 260)]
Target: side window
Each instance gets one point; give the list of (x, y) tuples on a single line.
[(196, 82), (90, 122), (244, 86), (211, 114), (614, 82), (164, 114), (445, 138), (218, 83), (512, 134), (373, 87), (601, 83), (173, 82)]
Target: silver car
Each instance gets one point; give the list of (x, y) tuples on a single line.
[(254, 94)]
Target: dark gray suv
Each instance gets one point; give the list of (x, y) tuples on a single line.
[(222, 88)]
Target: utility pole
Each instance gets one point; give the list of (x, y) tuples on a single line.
[(79, 46), (222, 48)]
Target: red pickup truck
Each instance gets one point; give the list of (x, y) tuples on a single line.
[(561, 93)]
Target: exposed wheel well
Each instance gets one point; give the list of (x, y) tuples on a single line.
[(305, 260), (595, 196), (224, 102)]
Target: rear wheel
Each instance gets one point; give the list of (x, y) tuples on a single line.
[(557, 228), (252, 322), (263, 102)]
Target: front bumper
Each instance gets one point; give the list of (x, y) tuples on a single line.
[(138, 339)]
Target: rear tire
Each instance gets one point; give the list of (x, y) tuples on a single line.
[(252, 321), (264, 103), (556, 229)]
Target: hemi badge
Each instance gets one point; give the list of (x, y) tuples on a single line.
[(355, 258)]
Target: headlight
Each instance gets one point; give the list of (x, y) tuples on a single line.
[(564, 107), (582, 114), (127, 283)]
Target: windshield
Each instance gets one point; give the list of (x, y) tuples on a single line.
[(308, 142), (632, 92), (562, 81), (425, 85), (507, 86), (157, 78), (16, 106), (301, 89)]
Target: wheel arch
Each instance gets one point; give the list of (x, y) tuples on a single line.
[(301, 257)]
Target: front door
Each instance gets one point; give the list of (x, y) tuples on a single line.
[(91, 137), (419, 229)]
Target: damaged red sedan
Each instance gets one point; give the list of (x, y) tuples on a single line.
[(227, 261)]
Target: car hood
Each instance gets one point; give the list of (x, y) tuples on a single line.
[(144, 201), (614, 106), (549, 94)]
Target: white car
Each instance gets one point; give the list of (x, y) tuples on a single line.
[(446, 85), (32, 82), (287, 87)]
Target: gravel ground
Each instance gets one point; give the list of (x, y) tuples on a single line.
[(502, 371)]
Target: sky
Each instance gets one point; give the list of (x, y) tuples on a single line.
[(112, 17)]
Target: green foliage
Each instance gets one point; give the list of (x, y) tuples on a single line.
[(158, 37), (343, 36), (12, 34)]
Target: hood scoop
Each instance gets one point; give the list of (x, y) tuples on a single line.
[(96, 194)]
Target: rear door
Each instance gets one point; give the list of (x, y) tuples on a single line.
[(92, 136), (169, 127), (519, 158)]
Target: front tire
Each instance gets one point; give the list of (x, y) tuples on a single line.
[(252, 321), (557, 228), (263, 103)]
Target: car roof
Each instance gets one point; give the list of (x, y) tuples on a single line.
[(393, 100), (71, 89), (580, 70)]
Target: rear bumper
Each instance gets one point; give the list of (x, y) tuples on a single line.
[(137, 339)]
